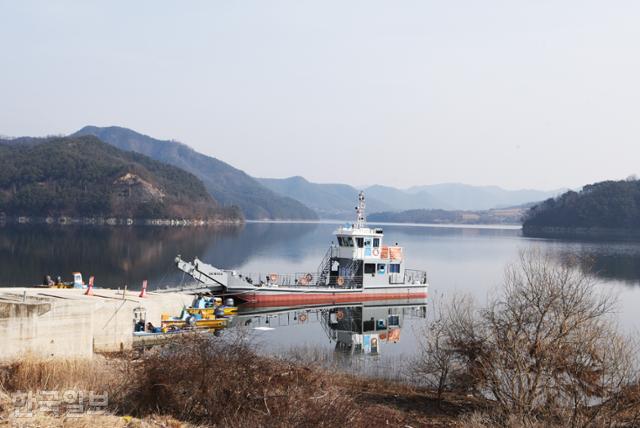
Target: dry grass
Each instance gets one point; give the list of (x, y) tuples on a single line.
[(100, 421), (32, 373), (213, 382)]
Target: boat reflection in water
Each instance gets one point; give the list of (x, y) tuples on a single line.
[(364, 328)]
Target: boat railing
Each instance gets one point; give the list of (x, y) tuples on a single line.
[(412, 276), (311, 279), (302, 279)]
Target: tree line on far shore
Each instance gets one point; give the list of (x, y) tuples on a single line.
[(607, 204)]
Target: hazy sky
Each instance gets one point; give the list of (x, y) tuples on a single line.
[(540, 94)]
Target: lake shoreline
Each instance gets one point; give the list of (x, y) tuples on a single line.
[(115, 221), (584, 233), (505, 226)]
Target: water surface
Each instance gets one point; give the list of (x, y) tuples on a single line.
[(457, 259)]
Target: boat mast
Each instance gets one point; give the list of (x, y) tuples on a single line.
[(360, 221)]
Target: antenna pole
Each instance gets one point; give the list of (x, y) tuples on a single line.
[(360, 220)]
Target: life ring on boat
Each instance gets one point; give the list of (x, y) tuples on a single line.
[(340, 281), (273, 277), (302, 317), (375, 252), (340, 315), (383, 336)]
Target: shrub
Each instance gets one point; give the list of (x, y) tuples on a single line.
[(545, 349), (208, 380)]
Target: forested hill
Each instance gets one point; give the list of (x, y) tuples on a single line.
[(228, 185), (604, 205), (84, 177)]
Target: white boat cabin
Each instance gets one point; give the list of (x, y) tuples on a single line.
[(362, 259)]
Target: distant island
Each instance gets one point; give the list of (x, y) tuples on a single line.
[(82, 177), (604, 209), (510, 216)]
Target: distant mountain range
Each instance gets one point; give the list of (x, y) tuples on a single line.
[(296, 198), (84, 177), (228, 185), (328, 200), (338, 200), (459, 196), (511, 216)]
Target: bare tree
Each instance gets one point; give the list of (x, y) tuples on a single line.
[(544, 349)]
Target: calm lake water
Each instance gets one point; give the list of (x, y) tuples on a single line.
[(457, 259)]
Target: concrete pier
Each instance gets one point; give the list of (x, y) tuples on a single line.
[(66, 322)]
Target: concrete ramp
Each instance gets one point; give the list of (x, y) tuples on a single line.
[(67, 323)]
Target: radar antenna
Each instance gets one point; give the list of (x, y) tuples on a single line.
[(360, 221)]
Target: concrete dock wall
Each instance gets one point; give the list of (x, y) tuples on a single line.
[(65, 322)]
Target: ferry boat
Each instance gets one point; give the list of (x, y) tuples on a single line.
[(359, 267)]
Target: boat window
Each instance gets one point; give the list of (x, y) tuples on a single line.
[(394, 320), (348, 242), (376, 242), (360, 242), (367, 242), (382, 269), (394, 268), (369, 268), (340, 241), (369, 325)]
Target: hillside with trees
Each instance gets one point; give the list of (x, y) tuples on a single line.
[(228, 185), (84, 177), (600, 207)]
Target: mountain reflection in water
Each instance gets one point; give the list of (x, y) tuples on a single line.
[(607, 261), (128, 255)]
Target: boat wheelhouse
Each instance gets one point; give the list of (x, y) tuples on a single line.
[(359, 266)]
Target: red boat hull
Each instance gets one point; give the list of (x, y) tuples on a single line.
[(260, 299)]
